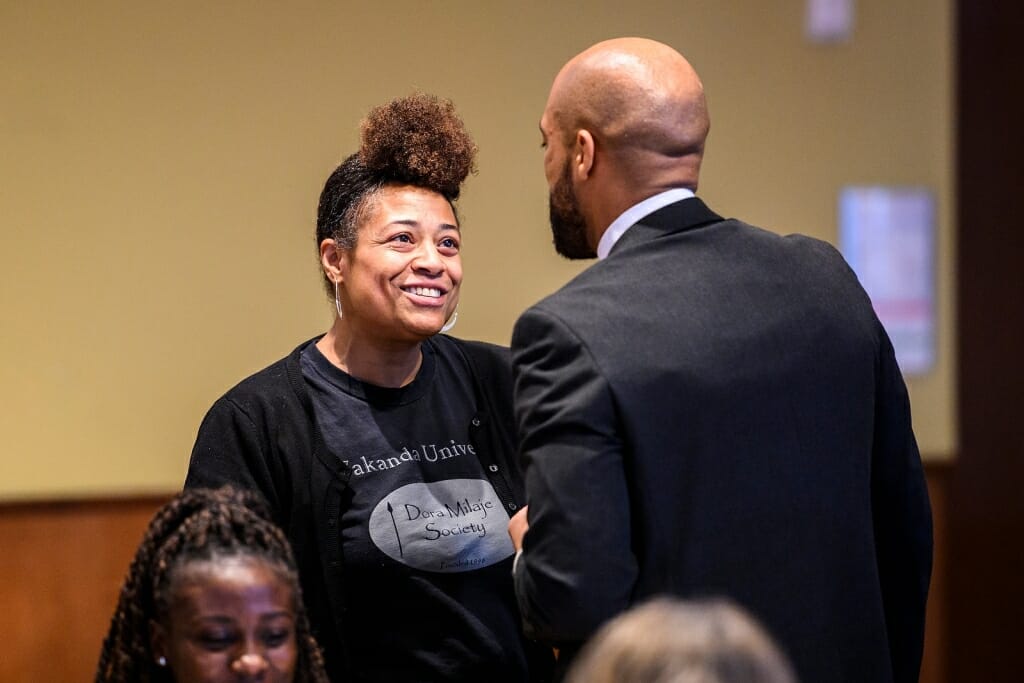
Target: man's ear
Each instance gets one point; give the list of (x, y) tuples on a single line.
[(331, 261), (583, 154)]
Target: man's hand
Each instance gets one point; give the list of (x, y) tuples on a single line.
[(517, 527)]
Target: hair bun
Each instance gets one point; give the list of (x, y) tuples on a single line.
[(419, 140)]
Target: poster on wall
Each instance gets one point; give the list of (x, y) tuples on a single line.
[(887, 235), (828, 21)]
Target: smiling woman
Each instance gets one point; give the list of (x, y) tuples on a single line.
[(358, 429), (400, 280)]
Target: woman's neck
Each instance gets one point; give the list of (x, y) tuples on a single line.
[(385, 365)]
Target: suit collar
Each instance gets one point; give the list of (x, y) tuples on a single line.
[(677, 217), (637, 213)]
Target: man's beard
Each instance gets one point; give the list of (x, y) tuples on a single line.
[(567, 224)]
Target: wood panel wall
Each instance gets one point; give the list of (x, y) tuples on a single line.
[(61, 567), (986, 583)]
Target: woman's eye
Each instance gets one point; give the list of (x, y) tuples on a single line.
[(216, 641), (450, 243), (277, 637), (401, 238)]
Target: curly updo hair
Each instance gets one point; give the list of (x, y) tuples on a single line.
[(417, 140), (197, 525)]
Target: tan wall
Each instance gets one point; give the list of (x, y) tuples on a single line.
[(162, 162)]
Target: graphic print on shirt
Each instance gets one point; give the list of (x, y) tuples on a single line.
[(454, 525)]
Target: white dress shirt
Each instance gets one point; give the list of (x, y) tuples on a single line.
[(635, 213)]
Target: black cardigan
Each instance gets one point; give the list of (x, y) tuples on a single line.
[(263, 434)]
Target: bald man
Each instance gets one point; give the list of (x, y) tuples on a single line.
[(711, 408)]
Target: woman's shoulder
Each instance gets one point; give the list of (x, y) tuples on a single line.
[(483, 356), (280, 378), (490, 366)]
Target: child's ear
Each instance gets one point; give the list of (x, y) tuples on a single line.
[(158, 642)]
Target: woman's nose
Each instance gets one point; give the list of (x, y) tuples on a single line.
[(250, 664), (428, 258)]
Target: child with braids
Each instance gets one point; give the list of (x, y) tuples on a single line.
[(212, 596), (386, 448)]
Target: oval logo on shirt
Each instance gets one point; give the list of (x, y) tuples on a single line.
[(456, 525)]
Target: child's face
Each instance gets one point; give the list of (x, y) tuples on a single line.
[(228, 621)]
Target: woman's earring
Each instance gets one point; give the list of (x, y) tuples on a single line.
[(451, 321), (161, 661), (337, 301)]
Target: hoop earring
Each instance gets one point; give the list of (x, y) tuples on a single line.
[(337, 301), (451, 321)]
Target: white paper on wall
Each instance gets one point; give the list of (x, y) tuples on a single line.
[(829, 21), (887, 235)]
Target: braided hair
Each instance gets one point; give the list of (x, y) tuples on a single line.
[(417, 140), (197, 525)]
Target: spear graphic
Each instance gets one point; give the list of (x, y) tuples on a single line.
[(391, 511)]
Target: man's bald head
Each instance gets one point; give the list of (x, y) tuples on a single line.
[(643, 103)]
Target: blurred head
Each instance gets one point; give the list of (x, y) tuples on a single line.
[(625, 119), (672, 641), (212, 596), (387, 231)]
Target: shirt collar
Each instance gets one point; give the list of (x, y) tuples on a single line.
[(635, 213)]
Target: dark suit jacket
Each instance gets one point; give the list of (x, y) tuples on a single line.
[(715, 409)]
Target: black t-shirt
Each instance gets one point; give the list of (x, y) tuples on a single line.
[(424, 537)]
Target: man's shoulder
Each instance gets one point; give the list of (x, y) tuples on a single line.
[(604, 277), (793, 240), (562, 309), (627, 275)]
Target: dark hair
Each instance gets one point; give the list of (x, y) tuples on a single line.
[(197, 525), (417, 140)]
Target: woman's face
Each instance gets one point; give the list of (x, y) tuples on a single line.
[(401, 280), (228, 621)]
